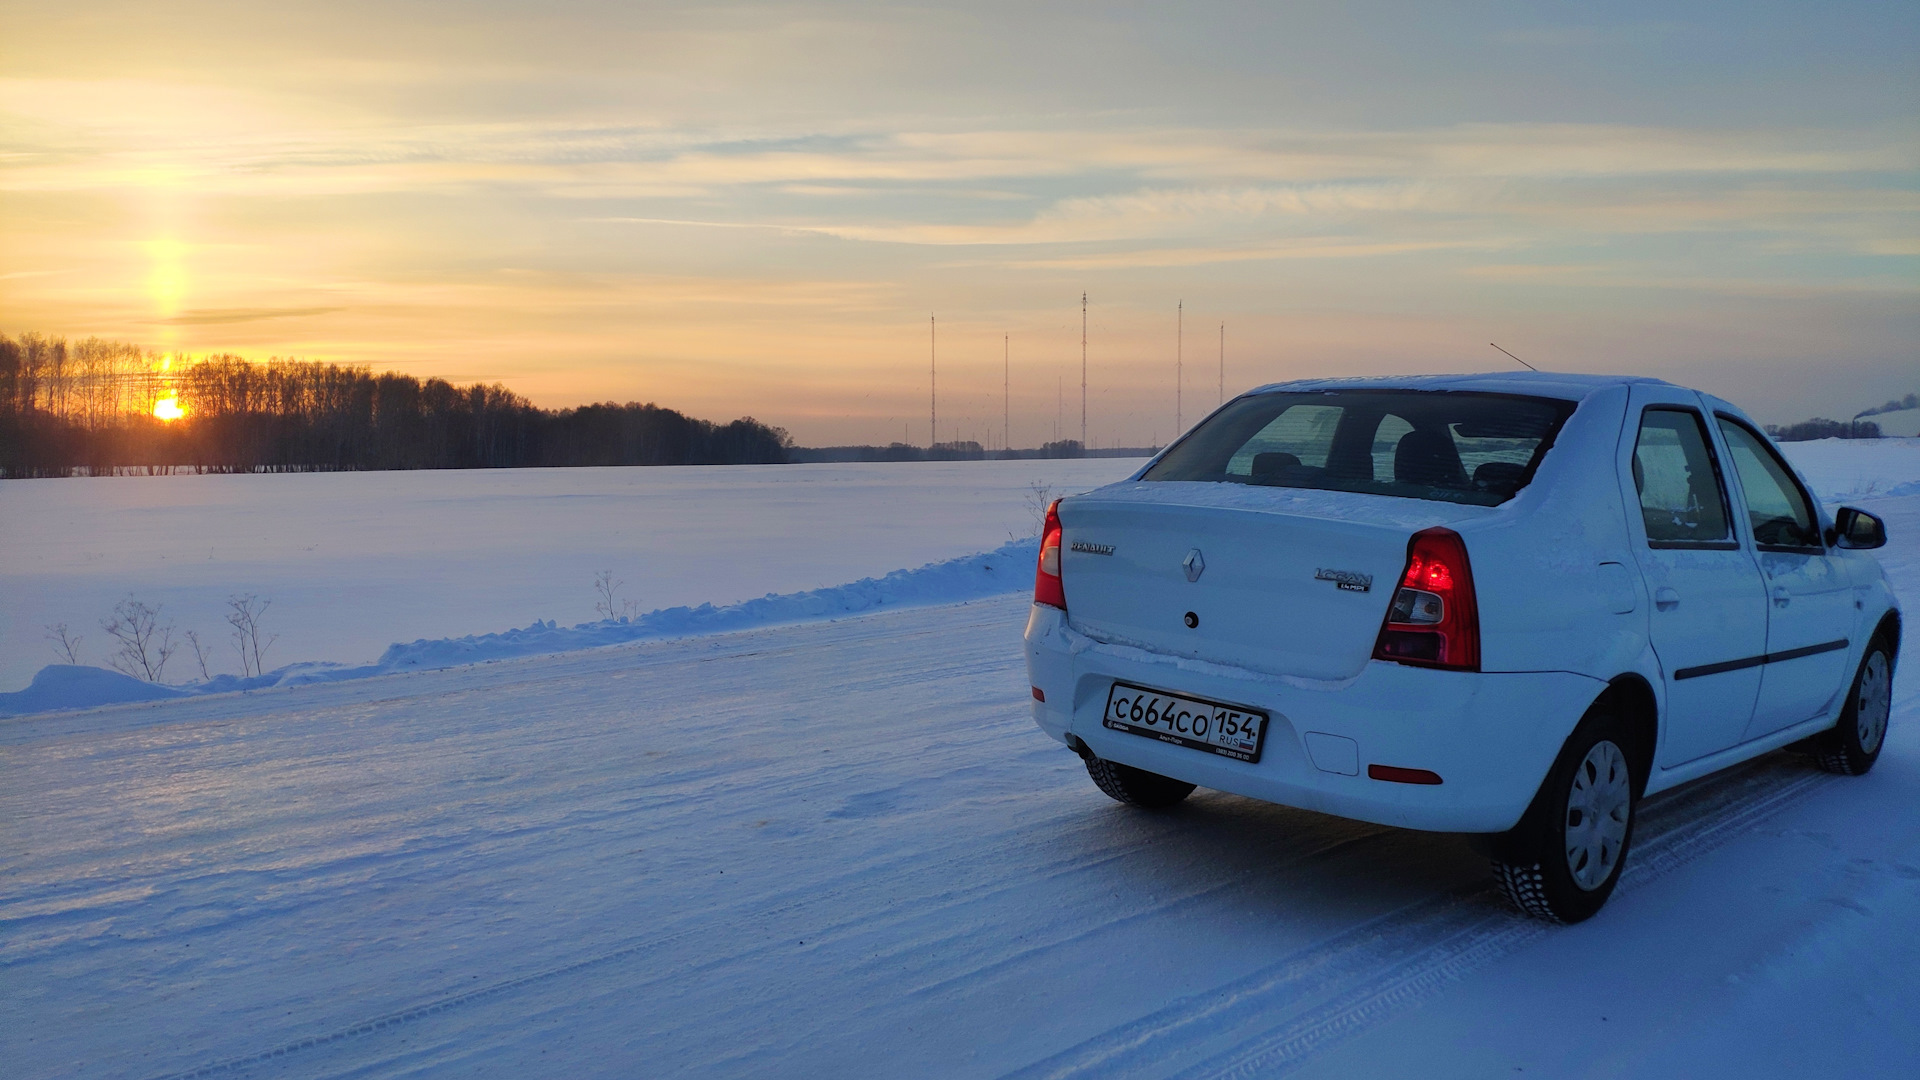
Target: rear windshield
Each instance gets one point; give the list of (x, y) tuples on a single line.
[(1447, 446)]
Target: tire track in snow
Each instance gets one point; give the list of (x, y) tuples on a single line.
[(1269, 1022), (1364, 975)]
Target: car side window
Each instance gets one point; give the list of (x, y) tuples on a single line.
[(1386, 440), (1781, 512), (1682, 499)]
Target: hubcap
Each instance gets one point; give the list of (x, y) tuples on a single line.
[(1876, 698), (1598, 809)]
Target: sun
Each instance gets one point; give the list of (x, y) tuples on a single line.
[(168, 409)]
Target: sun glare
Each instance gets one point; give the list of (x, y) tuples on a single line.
[(167, 281), (168, 409)]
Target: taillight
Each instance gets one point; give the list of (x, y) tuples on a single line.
[(1047, 588), (1433, 621)]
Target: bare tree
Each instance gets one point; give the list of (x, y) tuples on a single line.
[(199, 654), (1039, 497), (243, 614), (145, 644), (65, 642), (609, 605)]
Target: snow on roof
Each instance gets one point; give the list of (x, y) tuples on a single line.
[(1545, 383)]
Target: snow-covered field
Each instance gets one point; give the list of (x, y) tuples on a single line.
[(840, 848), (354, 562), (370, 573)]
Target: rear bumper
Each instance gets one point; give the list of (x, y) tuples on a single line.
[(1490, 736)]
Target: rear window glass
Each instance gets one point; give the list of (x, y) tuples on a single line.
[(1447, 446)]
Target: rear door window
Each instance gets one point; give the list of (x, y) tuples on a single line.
[(1683, 500), (1446, 446)]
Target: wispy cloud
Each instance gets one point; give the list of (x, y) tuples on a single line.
[(228, 316)]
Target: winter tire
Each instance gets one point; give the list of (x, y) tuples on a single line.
[(1853, 745), (1564, 858), (1137, 787)]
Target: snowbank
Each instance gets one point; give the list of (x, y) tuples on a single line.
[(1006, 569), (74, 686)]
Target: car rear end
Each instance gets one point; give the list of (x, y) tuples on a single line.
[(1283, 605)]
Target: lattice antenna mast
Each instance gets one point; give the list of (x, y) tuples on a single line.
[(1083, 371), (1179, 365), (1006, 392), (933, 387)]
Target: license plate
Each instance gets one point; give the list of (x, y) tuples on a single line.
[(1227, 730)]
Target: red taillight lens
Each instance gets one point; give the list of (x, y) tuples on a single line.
[(1433, 621), (1047, 588)]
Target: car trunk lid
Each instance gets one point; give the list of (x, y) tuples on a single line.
[(1279, 581)]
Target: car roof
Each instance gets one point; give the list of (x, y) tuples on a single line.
[(1539, 383)]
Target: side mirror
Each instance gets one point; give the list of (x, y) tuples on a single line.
[(1858, 529)]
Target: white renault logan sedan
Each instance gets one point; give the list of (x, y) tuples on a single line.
[(1500, 604)]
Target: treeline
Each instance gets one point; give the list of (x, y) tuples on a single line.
[(962, 451), (1822, 428), (99, 407), (959, 450)]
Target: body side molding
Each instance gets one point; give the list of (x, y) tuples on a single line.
[(1763, 658)]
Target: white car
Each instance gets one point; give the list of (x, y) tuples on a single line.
[(1509, 605)]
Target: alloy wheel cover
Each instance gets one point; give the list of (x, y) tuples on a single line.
[(1599, 806), (1875, 700)]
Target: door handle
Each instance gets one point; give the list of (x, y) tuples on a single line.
[(1665, 598), (1781, 597)]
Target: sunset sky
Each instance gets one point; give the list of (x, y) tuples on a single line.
[(752, 209)]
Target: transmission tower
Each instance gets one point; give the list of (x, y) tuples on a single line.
[(1223, 363), (1179, 364), (1083, 371), (1006, 392), (933, 388)]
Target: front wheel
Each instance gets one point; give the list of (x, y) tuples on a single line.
[(1564, 858), (1853, 745), (1137, 787)]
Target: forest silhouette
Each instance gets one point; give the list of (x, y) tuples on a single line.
[(89, 407)]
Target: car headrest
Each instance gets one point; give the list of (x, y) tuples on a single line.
[(1272, 465), (1501, 476), (1428, 457)]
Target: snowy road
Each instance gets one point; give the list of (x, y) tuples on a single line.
[(842, 850)]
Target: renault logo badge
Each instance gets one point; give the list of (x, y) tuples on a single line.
[(1194, 564)]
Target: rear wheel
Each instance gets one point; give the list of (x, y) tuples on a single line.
[(1137, 787), (1853, 745), (1564, 858)]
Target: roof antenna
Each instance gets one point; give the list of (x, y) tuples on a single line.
[(1517, 360)]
